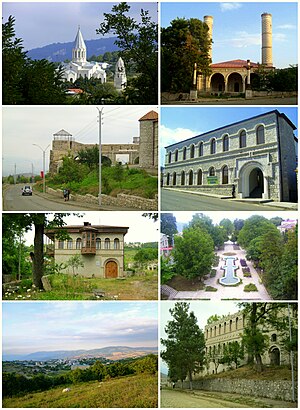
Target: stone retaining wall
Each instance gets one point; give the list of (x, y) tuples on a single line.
[(122, 200), (224, 190), (273, 389)]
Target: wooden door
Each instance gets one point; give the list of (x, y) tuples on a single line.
[(111, 270)]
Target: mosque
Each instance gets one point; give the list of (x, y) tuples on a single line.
[(235, 76)]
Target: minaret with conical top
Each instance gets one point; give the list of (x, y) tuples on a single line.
[(79, 49)]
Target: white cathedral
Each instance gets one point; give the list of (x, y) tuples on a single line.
[(79, 67)]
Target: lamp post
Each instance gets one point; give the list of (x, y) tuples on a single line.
[(44, 154), (100, 153)]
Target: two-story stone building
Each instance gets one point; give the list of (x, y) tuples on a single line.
[(256, 155), (101, 249)]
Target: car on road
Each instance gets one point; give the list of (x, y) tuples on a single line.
[(27, 190)]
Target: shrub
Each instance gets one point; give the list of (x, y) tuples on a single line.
[(243, 262), (210, 289), (250, 288), (213, 273)]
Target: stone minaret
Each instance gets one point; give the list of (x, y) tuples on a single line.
[(79, 49), (266, 38), (120, 79), (209, 21)]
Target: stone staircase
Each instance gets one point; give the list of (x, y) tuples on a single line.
[(168, 291)]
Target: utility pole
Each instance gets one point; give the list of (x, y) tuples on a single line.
[(44, 160), (100, 153), (15, 174), (291, 355)]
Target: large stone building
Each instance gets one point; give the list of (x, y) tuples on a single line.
[(256, 155), (143, 151), (79, 66), (233, 76), (229, 329), (101, 249)]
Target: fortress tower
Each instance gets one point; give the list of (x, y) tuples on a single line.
[(266, 47), (209, 21)]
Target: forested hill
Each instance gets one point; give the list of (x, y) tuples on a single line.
[(58, 52)]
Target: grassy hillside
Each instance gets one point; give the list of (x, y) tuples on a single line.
[(133, 391)]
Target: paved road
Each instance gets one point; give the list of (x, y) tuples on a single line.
[(235, 101), (14, 201), (184, 201)]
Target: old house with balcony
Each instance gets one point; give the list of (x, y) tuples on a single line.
[(101, 249)]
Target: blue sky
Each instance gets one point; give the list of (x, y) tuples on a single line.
[(39, 24), (237, 28), (37, 326), (180, 123)]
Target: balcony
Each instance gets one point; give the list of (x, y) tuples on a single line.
[(88, 250)]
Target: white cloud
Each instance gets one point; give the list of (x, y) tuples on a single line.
[(241, 39), (287, 27), (230, 6), (169, 136), (279, 37)]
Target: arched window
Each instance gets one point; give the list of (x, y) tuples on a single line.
[(260, 135), (192, 151), (274, 337), (225, 143), (225, 174), (236, 323), (201, 149), (107, 243), (212, 172), (230, 326), (70, 244), (170, 157), (168, 179), (184, 153), (176, 155), (98, 243), (78, 243), (182, 178), (174, 178), (61, 245), (215, 331), (243, 139), (199, 177), (191, 177), (220, 329), (116, 243), (213, 146), (224, 327)]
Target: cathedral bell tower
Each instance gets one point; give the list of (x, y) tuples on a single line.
[(79, 49)]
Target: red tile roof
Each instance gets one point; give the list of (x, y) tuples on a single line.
[(152, 115), (233, 64)]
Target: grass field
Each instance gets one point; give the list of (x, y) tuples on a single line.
[(68, 287), (133, 391)]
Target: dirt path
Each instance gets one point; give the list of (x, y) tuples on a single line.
[(204, 399)]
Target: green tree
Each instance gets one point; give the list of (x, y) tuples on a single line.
[(233, 353), (138, 44), (184, 346), (145, 255), (258, 317), (227, 225), (254, 227), (168, 226), (217, 234), (27, 81), (75, 262), (40, 222), (99, 370), (183, 43), (193, 253), (213, 318)]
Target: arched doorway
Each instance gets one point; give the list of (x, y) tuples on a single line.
[(235, 83), (274, 354), (168, 179), (252, 182), (199, 177), (111, 270), (217, 83), (256, 183)]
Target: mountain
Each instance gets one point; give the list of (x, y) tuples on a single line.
[(58, 52), (110, 352)]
